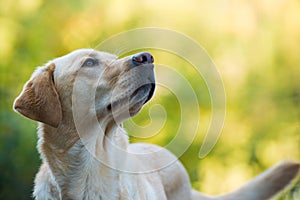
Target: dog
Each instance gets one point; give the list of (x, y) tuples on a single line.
[(80, 101)]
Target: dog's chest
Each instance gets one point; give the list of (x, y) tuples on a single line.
[(88, 178)]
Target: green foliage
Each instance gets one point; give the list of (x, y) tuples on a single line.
[(255, 46), (19, 160)]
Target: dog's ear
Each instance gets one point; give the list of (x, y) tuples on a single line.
[(39, 99)]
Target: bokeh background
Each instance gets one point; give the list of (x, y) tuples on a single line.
[(255, 45)]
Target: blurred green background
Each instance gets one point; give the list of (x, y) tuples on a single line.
[(254, 44)]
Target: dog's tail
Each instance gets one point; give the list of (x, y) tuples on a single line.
[(262, 187)]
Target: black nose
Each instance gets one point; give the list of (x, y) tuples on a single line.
[(142, 58)]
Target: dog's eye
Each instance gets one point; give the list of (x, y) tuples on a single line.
[(90, 62)]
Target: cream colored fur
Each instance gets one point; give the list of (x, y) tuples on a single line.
[(80, 101)]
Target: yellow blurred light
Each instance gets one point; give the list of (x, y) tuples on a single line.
[(28, 6), (271, 7), (236, 175), (118, 12), (8, 31), (217, 178), (271, 152)]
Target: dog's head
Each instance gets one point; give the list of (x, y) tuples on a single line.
[(98, 81)]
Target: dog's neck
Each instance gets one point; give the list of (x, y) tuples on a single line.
[(82, 156)]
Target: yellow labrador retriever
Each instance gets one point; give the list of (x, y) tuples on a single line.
[(81, 100)]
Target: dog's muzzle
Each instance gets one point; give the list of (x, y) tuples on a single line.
[(141, 59)]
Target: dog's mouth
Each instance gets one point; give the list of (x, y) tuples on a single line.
[(143, 94), (132, 104)]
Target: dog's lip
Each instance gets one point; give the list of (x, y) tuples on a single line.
[(150, 87), (151, 92), (136, 105)]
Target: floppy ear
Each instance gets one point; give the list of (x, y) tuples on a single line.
[(39, 99)]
